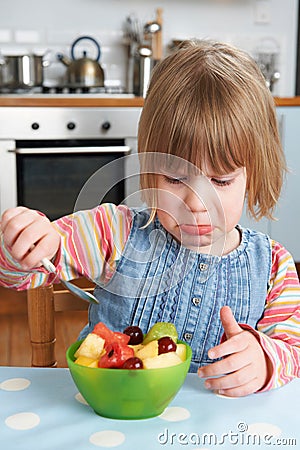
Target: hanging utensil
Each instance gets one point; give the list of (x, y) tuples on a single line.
[(133, 30), (150, 29)]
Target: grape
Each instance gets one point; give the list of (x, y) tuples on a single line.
[(133, 363), (166, 345), (135, 333)]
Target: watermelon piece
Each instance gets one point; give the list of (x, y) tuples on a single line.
[(115, 356), (110, 336)]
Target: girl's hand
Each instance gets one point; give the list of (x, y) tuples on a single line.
[(244, 367), (29, 236)]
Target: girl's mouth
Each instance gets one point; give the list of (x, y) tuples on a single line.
[(196, 230)]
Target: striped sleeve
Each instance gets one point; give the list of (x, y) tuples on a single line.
[(279, 328), (93, 241), (91, 244)]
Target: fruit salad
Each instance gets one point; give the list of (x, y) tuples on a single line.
[(132, 350)]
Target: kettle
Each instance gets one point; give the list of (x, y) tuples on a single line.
[(84, 71)]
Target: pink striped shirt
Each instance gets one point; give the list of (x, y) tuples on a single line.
[(92, 242)]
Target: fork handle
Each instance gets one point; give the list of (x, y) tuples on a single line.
[(48, 265)]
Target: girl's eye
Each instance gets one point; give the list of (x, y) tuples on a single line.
[(173, 180), (221, 183)]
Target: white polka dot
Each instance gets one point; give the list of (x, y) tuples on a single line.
[(107, 438), (15, 384), (80, 399), (262, 429), (22, 421), (175, 414)]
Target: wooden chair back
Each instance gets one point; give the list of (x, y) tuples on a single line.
[(42, 304)]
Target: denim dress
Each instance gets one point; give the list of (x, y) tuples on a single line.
[(157, 279)]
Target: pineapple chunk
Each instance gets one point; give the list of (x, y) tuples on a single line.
[(181, 351), (85, 361), (94, 363), (163, 360), (91, 347), (147, 351), (136, 348)]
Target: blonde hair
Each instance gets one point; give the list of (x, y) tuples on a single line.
[(208, 103)]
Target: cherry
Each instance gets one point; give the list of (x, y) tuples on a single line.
[(166, 345), (133, 363), (135, 333)]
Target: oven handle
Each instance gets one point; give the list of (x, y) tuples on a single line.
[(125, 149)]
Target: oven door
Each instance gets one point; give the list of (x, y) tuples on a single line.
[(51, 177)]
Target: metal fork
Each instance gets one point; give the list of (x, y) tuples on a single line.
[(81, 293)]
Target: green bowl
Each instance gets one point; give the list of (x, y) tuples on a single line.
[(128, 394)]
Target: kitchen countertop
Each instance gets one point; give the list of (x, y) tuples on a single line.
[(287, 101), (94, 102), (40, 409), (74, 101)]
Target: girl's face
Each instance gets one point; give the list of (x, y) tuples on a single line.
[(201, 211)]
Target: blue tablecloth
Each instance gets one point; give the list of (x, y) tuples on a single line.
[(41, 409)]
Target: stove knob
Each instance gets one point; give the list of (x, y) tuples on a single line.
[(71, 126), (35, 126), (106, 126)]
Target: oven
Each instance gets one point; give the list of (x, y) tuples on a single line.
[(49, 154)]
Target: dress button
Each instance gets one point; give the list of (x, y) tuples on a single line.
[(203, 267), (196, 301), (187, 336)]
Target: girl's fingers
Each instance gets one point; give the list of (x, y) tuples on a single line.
[(227, 365), (38, 241), (23, 243), (235, 344), (29, 236), (231, 380), (241, 391), (240, 373), (34, 257), (15, 221), (10, 213)]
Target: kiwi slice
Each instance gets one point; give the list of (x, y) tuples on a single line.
[(161, 329)]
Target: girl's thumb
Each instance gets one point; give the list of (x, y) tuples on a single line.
[(230, 325)]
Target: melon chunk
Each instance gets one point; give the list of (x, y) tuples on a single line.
[(163, 360), (148, 351), (85, 361), (181, 351), (91, 347)]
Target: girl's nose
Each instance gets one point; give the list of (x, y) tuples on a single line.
[(195, 199)]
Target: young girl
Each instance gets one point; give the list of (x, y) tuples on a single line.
[(207, 140)]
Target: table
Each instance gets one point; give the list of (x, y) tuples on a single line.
[(41, 409)]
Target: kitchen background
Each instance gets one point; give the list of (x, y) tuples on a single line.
[(31, 128), (49, 27)]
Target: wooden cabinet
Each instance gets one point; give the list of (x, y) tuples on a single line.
[(286, 228)]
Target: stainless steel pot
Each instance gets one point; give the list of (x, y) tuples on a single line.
[(22, 71)]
